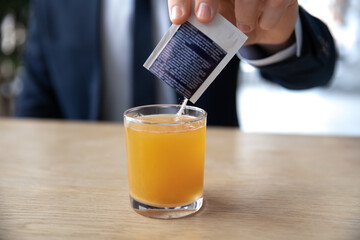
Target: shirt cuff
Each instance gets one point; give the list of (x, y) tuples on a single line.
[(253, 55)]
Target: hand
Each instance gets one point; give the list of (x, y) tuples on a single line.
[(269, 23)]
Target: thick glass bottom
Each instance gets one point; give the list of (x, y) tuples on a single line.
[(166, 212)]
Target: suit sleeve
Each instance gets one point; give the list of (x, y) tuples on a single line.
[(37, 98), (315, 66)]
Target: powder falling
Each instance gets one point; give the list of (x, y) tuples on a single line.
[(181, 110)]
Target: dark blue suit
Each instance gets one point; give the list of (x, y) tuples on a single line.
[(64, 72)]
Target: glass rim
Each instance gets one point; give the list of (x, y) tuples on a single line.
[(134, 109)]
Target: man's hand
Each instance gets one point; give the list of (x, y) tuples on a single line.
[(269, 23)]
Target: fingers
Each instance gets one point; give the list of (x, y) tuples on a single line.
[(247, 13), (205, 10), (272, 13), (179, 10), (276, 23)]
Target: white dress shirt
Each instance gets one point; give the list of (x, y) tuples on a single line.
[(249, 54), (116, 44)]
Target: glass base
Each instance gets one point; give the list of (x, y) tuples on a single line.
[(166, 212)]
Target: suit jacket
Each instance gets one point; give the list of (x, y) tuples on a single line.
[(64, 72)]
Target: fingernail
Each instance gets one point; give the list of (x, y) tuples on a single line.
[(176, 12), (204, 11), (244, 28)]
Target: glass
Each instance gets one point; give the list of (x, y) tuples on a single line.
[(165, 159)]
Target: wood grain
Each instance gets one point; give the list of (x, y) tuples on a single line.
[(67, 180)]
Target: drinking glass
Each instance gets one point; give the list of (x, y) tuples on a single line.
[(165, 159)]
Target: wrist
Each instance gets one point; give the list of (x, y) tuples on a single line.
[(271, 49)]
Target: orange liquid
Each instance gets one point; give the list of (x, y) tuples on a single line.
[(166, 162)]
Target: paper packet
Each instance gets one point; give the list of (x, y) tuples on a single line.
[(191, 55)]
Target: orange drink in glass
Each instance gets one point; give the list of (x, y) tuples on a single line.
[(165, 159)]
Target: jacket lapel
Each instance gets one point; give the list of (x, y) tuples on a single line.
[(73, 50)]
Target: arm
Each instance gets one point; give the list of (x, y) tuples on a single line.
[(270, 27), (316, 63), (37, 98)]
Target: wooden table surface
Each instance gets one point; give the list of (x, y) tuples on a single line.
[(68, 180)]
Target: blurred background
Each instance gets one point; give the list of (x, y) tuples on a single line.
[(263, 107), (335, 110), (13, 19)]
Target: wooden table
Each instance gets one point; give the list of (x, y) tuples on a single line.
[(68, 180)]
